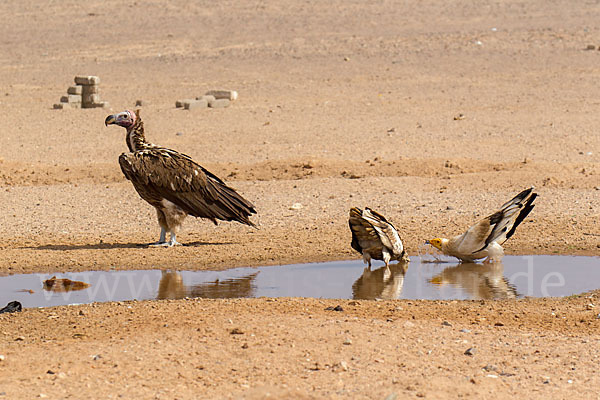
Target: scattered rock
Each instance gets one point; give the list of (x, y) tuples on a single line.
[(590, 306), (490, 367), (296, 206), (499, 324), (470, 351), (13, 306), (50, 372), (446, 323), (1, 357), (236, 331), (245, 346), (348, 342), (140, 103), (336, 308), (459, 117), (590, 47), (449, 208)]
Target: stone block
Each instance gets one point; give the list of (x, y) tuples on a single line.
[(206, 97), (223, 94), (195, 104), (90, 89), (219, 103), (71, 98), (74, 89), (181, 103), (66, 106), (90, 98), (87, 80)]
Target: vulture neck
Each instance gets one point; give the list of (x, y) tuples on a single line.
[(135, 136)]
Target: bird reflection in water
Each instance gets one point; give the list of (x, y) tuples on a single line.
[(480, 281), (171, 286), (382, 283)]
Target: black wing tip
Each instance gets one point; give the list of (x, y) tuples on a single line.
[(527, 207)]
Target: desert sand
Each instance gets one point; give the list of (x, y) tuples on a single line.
[(433, 113)]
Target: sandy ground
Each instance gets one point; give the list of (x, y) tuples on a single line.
[(433, 113)]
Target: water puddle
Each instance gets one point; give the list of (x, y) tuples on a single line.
[(516, 276)]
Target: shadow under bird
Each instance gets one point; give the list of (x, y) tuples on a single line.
[(374, 237), (484, 239), (174, 184)]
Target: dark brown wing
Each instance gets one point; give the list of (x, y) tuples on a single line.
[(364, 236), (159, 173)]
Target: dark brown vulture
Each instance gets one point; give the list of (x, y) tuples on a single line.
[(174, 184), (374, 237)]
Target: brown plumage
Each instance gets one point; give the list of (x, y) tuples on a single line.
[(174, 184), (374, 237)]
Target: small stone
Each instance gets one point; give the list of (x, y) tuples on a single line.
[(245, 346), (236, 331), (408, 324), (346, 58), (392, 396), (499, 324), (465, 331), (590, 47), (446, 323), (296, 206), (1, 357), (231, 95), (490, 367), (74, 89), (50, 372), (81, 312), (219, 103), (459, 117), (140, 103), (336, 308), (96, 357), (195, 104), (61, 375), (470, 351), (42, 396), (590, 306), (348, 342), (19, 338), (449, 208), (545, 380), (570, 381), (87, 80)]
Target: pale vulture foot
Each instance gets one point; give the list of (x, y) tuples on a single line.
[(159, 244), (162, 242)]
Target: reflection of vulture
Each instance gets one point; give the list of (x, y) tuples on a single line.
[(174, 184), (225, 289), (480, 281), (382, 283), (171, 286), (374, 237), (484, 239)]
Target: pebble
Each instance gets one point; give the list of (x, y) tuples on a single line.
[(392, 396), (236, 331), (336, 308), (465, 331), (348, 342), (490, 367), (1, 357), (470, 351), (590, 47), (19, 338), (590, 306), (446, 323), (296, 206), (140, 103)]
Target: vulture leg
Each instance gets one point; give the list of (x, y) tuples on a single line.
[(173, 241), (162, 241)]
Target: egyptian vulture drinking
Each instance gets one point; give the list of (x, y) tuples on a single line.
[(484, 239), (174, 184), (374, 237)]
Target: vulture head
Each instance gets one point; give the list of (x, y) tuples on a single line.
[(125, 119)]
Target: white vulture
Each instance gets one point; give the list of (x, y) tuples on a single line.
[(374, 237), (174, 184), (484, 239)]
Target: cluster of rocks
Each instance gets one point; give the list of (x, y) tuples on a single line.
[(85, 94), (212, 99)]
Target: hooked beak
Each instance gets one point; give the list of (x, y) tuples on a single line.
[(110, 120)]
